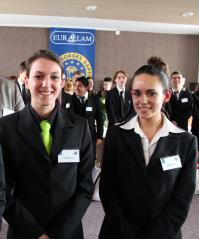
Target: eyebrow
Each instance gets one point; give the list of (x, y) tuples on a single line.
[(146, 91), (41, 72)]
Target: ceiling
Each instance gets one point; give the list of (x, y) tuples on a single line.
[(163, 16)]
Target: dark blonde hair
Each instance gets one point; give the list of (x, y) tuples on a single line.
[(117, 72)]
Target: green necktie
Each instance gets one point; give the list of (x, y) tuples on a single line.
[(45, 135)]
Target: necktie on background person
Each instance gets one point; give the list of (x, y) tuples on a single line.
[(45, 135), (122, 104), (23, 90), (82, 99), (177, 94)]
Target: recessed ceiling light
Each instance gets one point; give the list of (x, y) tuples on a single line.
[(187, 14), (91, 8)]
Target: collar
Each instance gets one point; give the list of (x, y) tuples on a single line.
[(20, 82), (168, 126), (119, 89), (50, 119), (86, 95)]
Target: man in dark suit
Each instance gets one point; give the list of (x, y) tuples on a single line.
[(88, 106), (48, 171), (25, 93), (180, 105), (119, 105)]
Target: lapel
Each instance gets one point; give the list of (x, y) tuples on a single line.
[(134, 144), (163, 149), (116, 98), (62, 129), (77, 106), (30, 133), (89, 103)]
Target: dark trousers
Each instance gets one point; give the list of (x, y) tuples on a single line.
[(78, 234)]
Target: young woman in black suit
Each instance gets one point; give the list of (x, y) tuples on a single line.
[(148, 167)]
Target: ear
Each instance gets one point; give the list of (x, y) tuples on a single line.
[(63, 80), (26, 82), (167, 95)]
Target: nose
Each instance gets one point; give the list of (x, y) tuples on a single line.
[(144, 99), (47, 81)]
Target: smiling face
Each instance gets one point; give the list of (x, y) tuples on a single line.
[(148, 96), (80, 89), (177, 81), (45, 81)]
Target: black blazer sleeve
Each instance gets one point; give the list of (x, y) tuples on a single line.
[(99, 119), (173, 216), (112, 118), (2, 185), (107, 190), (15, 209)]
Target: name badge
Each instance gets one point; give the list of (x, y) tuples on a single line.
[(171, 162), (69, 156), (7, 112), (67, 105), (184, 100), (89, 108)]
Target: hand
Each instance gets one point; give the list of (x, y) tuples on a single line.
[(99, 141), (44, 236)]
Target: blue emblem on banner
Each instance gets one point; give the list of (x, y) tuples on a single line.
[(76, 48)]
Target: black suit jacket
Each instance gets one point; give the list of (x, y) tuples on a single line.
[(44, 196), (180, 110), (113, 106), (91, 111), (195, 116), (145, 202), (25, 95)]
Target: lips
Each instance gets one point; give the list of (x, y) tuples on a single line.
[(45, 93)]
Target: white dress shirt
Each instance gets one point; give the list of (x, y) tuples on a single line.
[(148, 148)]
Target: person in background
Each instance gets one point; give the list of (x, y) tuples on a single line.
[(10, 97), (148, 168), (91, 86), (21, 83), (119, 105), (106, 86), (87, 106), (68, 87), (181, 103), (13, 78), (195, 115), (48, 159), (76, 75)]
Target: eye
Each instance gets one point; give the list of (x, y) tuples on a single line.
[(54, 77), (38, 76), (136, 93), (151, 93)]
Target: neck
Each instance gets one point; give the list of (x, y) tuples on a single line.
[(151, 126), (43, 111)]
